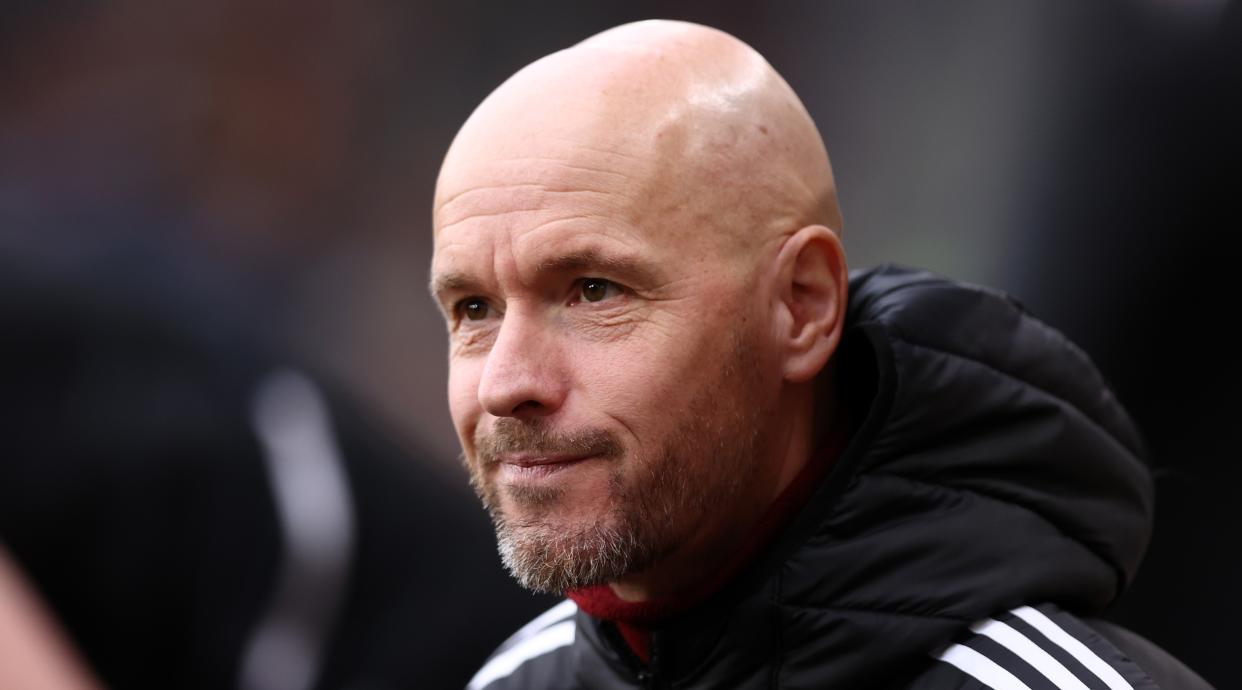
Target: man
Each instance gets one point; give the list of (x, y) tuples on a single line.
[(744, 468)]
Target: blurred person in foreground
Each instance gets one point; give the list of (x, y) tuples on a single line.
[(193, 512), (745, 466)]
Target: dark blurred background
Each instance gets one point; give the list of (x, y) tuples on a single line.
[(256, 177)]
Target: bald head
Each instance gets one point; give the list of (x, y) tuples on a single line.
[(691, 124)]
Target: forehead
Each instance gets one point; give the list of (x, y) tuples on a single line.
[(579, 153), (527, 181), (562, 197)]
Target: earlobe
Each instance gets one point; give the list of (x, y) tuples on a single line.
[(814, 285)]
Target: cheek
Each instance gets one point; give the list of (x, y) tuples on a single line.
[(647, 384), (463, 397)]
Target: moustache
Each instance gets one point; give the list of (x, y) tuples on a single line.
[(509, 435)]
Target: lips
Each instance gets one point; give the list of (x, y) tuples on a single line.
[(535, 460), (531, 467)]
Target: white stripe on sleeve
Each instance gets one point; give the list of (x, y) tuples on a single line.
[(508, 661), (1074, 646), (981, 668), (1029, 652)]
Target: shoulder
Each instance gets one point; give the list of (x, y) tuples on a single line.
[(1034, 648), (536, 656)]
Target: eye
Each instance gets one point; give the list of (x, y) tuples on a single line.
[(473, 308), (596, 289)]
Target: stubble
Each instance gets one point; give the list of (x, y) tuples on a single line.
[(701, 467)]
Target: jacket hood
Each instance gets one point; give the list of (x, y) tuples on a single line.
[(992, 468)]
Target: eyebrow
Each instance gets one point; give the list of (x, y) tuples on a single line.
[(627, 269), (624, 267), (450, 282)]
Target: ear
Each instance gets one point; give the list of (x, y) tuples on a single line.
[(811, 300)]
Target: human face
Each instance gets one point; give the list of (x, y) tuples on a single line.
[(605, 367)]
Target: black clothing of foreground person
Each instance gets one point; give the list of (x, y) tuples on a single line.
[(745, 469), (197, 511)]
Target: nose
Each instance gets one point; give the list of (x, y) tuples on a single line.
[(523, 376)]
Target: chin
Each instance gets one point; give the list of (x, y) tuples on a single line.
[(547, 554), (564, 510)]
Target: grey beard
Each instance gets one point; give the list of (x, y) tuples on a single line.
[(545, 559)]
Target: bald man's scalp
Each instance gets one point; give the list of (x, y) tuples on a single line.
[(698, 128)]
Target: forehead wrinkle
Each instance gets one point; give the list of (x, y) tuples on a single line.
[(544, 158), (496, 186), (589, 227), (523, 198), (519, 230), (497, 214), (577, 165), (549, 175), (456, 255)]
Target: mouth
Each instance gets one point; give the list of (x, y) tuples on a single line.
[(530, 467)]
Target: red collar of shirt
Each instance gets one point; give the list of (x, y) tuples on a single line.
[(636, 619)]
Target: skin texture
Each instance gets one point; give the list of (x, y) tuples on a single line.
[(636, 251)]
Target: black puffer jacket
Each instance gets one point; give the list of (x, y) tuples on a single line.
[(994, 481)]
